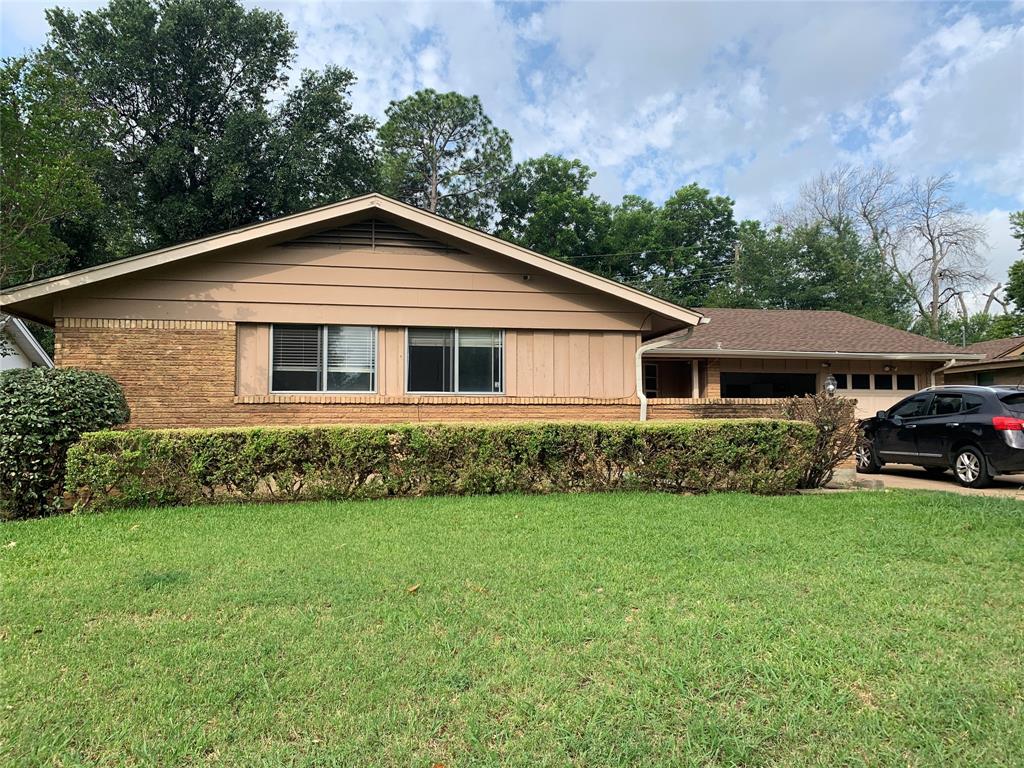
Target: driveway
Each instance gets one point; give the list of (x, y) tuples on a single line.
[(903, 476)]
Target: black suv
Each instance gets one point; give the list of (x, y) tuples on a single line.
[(977, 432)]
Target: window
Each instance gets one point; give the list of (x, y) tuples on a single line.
[(842, 382), (323, 358), (860, 381), (944, 405), (650, 379), (915, 406), (986, 379), (456, 360), (295, 359), (972, 403), (883, 381), (906, 381)]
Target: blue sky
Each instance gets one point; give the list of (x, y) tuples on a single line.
[(750, 99)]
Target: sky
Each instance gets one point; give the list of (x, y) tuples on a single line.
[(750, 99)]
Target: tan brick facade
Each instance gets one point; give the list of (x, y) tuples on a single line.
[(713, 385), (182, 374)]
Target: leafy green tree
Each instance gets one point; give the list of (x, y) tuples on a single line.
[(443, 154), (194, 146), (979, 326), (322, 150), (763, 271), (546, 205), (185, 84), (47, 176), (633, 229), (1017, 229), (696, 242), (813, 267)]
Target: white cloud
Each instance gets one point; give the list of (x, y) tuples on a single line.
[(750, 99)]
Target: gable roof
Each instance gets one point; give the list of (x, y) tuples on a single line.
[(995, 348), (26, 342), (995, 354), (35, 299), (801, 332)]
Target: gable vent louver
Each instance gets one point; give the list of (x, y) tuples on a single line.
[(371, 234)]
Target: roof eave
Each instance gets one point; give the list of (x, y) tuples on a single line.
[(27, 342), (986, 365), (782, 353)]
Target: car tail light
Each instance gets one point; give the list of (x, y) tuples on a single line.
[(1007, 423)]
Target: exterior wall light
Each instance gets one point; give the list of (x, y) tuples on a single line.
[(830, 384)]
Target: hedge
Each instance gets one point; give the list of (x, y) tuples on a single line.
[(156, 467), (42, 412)]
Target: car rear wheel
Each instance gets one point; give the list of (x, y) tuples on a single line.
[(867, 461), (971, 468)]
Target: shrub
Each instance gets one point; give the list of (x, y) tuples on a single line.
[(835, 420), (140, 467), (42, 412)]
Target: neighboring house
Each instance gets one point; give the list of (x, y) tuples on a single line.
[(370, 310), (1002, 362), (18, 347), (773, 353)]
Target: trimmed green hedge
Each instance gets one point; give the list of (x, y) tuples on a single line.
[(42, 412), (143, 467)]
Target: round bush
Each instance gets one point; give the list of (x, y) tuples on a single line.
[(42, 412)]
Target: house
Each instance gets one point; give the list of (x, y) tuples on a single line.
[(370, 310), (18, 347), (1002, 362), (757, 355)]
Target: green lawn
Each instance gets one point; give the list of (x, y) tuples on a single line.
[(631, 629)]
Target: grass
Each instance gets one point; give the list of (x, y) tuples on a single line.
[(631, 629)]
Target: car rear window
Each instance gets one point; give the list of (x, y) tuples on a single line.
[(1014, 401)]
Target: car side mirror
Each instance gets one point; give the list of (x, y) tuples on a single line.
[(882, 415)]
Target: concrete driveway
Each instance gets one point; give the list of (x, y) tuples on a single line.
[(904, 476)]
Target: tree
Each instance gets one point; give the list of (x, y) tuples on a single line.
[(947, 244), (813, 267), (632, 231), (696, 245), (184, 84), (929, 241), (545, 205), (763, 272), (1017, 229), (442, 153), (322, 150), (47, 174)]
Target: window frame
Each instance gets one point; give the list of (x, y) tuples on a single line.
[(456, 392), (323, 373), (872, 381)]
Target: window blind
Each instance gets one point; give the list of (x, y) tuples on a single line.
[(351, 348), (297, 347)]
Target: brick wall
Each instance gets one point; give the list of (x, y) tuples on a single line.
[(174, 373), (713, 386), (182, 374), (712, 408)]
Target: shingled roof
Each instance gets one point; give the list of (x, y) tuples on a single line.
[(996, 347), (805, 332)]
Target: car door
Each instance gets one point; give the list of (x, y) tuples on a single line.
[(896, 435), (936, 430)]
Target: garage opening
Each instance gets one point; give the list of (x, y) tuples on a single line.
[(768, 384)]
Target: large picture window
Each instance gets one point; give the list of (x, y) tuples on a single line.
[(455, 360), (323, 358)]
